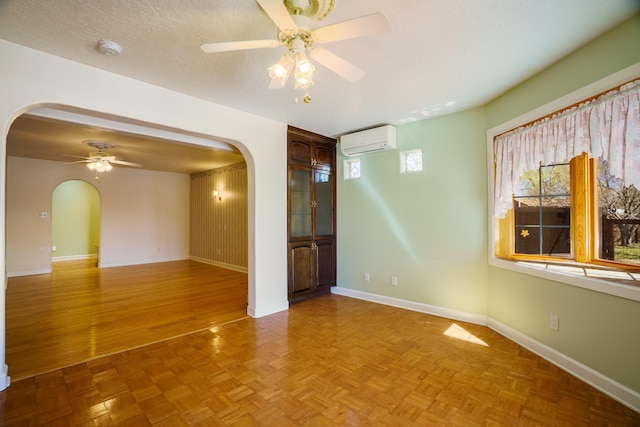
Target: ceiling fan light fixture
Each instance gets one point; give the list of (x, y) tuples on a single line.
[(303, 65), (303, 82), (281, 69), (304, 71), (99, 165)]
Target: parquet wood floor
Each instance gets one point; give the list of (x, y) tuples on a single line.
[(79, 311), (328, 361)]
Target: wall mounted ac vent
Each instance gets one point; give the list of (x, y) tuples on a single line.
[(382, 138)]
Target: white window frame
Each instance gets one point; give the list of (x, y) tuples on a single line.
[(347, 169), (541, 269), (403, 160)]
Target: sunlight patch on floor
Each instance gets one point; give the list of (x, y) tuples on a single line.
[(459, 333)]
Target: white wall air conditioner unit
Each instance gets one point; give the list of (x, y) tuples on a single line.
[(382, 138)]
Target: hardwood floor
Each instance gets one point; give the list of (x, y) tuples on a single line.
[(80, 312), (328, 361)]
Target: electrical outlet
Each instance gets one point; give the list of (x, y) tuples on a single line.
[(554, 322), (394, 280), (366, 277)]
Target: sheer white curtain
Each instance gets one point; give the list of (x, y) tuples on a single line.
[(608, 127)]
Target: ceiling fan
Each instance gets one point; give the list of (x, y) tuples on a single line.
[(100, 161), (296, 21)]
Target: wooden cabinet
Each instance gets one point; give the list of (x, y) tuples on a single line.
[(311, 224)]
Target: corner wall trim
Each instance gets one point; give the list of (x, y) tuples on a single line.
[(266, 311), (608, 386), (5, 379), (448, 313)]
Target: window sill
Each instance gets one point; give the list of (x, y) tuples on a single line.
[(612, 281)]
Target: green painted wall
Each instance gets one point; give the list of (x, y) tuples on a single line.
[(427, 228), (596, 329), (75, 219), (615, 50)]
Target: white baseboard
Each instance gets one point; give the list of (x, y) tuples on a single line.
[(5, 379), (462, 316), (21, 273), (265, 311), (128, 263), (36, 272), (608, 386), (73, 257), (237, 268)]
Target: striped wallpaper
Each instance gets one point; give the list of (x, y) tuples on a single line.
[(219, 228)]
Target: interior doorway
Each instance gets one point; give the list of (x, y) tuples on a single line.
[(75, 222)]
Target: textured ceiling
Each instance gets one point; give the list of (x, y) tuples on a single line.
[(439, 57)]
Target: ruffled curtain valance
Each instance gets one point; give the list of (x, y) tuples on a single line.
[(607, 127)]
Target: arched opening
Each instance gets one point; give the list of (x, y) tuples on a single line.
[(145, 213), (75, 222)]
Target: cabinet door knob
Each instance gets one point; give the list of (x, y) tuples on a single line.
[(314, 162)]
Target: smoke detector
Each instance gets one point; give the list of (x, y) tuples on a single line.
[(109, 48)]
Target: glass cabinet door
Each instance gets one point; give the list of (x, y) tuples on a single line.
[(324, 203), (300, 199)]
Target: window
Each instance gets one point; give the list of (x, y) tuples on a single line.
[(411, 161), (542, 211), (567, 186), (542, 215), (352, 168)]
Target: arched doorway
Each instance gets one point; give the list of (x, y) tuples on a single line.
[(137, 216), (75, 221)]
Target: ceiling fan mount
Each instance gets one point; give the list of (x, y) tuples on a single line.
[(100, 146), (314, 9)]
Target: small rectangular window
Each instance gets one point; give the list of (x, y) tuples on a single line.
[(352, 169), (411, 161)]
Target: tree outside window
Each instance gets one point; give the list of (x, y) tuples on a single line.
[(618, 218)]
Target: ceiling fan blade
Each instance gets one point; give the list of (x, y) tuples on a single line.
[(76, 157), (122, 162), (78, 161), (241, 45), (278, 13), (359, 27), (344, 69)]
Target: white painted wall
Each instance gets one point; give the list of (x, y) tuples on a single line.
[(144, 216), (31, 79)]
